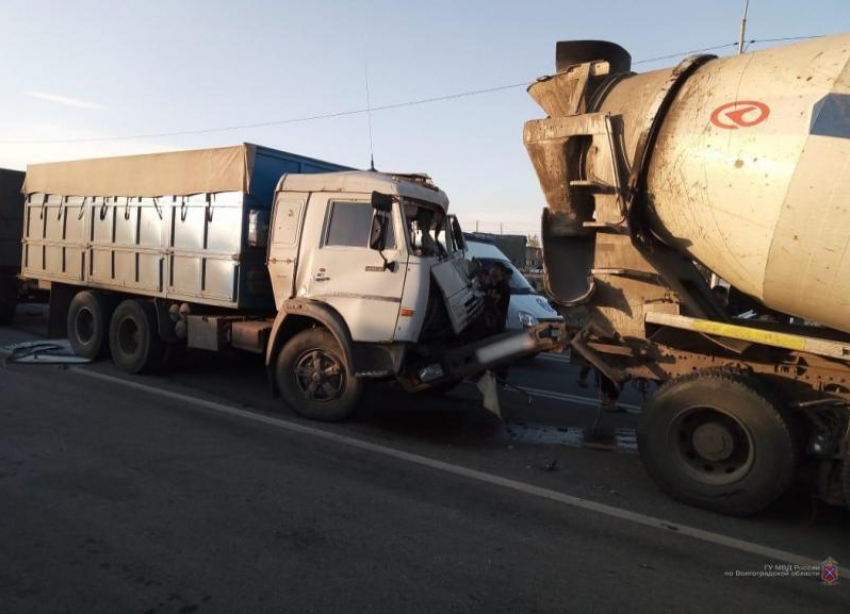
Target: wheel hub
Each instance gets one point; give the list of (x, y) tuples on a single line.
[(85, 325), (129, 337), (713, 441), (319, 376), (711, 445)]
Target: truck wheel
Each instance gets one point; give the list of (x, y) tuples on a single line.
[(133, 337), (713, 439), (88, 324), (314, 379), (8, 299)]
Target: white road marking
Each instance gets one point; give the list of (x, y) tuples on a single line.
[(473, 474), (572, 398), (521, 432), (576, 398), (562, 358)]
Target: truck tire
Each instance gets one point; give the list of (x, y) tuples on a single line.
[(89, 316), (314, 379), (716, 440), (8, 298), (134, 338)]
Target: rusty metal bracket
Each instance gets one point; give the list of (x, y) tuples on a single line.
[(581, 346)]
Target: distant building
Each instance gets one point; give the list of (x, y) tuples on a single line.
[(533, 257)]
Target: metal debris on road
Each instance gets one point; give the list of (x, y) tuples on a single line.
[(43, 352)]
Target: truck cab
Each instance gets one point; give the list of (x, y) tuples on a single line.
[(370, 280), (363, 244)]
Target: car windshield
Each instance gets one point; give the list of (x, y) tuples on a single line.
[(518, 283)]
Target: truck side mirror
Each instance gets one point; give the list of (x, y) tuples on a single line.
[(457, 231), (382, 202), (378, 238), (378, 232)]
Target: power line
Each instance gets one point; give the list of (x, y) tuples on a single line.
[(367, 110), (751, 41), (681, 53), (784, 39), (280, 122)]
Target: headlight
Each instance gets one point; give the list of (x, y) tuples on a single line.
[(526, 319)]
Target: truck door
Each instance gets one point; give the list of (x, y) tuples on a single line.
[(454, 278), (287, 220), (351, 277)]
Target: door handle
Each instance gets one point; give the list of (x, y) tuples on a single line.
[(284, 261), (320, 277)]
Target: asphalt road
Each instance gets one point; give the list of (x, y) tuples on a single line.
[(192, 491)]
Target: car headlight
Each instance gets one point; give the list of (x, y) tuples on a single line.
[(526, 319)]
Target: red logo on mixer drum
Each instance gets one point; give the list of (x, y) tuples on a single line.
[(740, 114)]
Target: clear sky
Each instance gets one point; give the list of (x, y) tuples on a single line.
[(89, 69)]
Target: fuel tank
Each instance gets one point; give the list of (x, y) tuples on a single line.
[(750, 170)]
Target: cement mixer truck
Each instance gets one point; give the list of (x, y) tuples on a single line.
[(733, 168)]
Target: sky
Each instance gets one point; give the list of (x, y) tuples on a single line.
[(92, 70)]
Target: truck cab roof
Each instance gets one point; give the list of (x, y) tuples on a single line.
[(414, 186)]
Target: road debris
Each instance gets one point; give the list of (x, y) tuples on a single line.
[(42, 352)]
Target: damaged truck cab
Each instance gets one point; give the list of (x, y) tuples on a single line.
[(376, 261)]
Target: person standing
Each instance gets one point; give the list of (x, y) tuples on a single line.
[(498, 298)]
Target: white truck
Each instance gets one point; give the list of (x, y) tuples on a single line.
[(335, 275)]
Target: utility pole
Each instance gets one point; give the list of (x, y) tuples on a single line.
[(476, 225), (743, 31)]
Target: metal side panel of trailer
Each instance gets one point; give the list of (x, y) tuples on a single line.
[(191, 247)]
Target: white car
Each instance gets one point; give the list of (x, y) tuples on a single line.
[(526, 308)]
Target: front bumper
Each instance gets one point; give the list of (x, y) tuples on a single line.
[(490, 353)]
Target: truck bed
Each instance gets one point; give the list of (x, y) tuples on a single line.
[(171, 225)]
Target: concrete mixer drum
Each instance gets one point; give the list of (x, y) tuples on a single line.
[(734, 166)]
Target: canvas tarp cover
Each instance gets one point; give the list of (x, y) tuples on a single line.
[(177, 173)]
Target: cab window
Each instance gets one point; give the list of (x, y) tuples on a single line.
[(349, 225)]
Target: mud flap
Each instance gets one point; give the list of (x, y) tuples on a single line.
[(490, 391)]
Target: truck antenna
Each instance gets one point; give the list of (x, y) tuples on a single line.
[(743, 31), (369, 115)]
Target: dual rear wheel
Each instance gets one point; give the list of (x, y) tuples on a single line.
[(128, 332)]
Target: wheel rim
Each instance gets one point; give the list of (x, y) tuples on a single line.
[(319, 376), (84, 324), (713, 446), (129, 336)]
